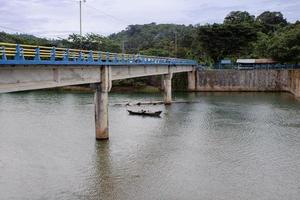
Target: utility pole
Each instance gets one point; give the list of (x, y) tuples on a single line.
[(80, 12), (176, 43)]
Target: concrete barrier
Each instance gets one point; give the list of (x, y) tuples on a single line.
[(249, 80)]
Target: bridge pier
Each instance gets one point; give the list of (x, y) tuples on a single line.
[(192, 81), (101, 104), (167, 85)]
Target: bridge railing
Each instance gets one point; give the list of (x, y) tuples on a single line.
[(21, 54), (252, 66)]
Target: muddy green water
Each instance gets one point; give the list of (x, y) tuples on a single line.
[(229, 146)]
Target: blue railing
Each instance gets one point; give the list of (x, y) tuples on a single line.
[(18, 54), (253, 66)]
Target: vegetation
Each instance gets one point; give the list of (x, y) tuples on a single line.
[(241, 35), (226, 40), (271, 21), (239, 17), (92, 42), (285, 45), (26, 39), (157, 39)]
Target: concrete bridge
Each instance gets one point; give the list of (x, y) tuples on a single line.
[(27, 67)]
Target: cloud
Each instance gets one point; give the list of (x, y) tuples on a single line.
[(58, 18)]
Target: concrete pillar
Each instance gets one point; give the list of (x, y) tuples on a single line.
[(101, 104), (162, 83), (192, 81), (167, 88), (297, 83)]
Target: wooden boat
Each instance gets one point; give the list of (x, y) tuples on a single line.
[(145, 113)]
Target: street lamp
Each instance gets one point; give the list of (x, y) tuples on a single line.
[(80, 3)]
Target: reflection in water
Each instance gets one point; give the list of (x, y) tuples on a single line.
[(222, 146), (101, 183)]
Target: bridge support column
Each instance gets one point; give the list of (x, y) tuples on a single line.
[(162, 83), (101, 104), (167, 82), (192, 81)]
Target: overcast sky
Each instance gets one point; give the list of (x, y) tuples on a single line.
[(58, 18)]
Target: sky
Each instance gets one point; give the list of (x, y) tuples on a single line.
[(59, 18)]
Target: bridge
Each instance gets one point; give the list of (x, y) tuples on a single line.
[(29, 67)]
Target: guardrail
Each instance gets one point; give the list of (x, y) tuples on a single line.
[(253, 66), (20, 54)]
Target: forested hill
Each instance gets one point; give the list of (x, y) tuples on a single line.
[(26, 39), (158, 39), (241, 35)]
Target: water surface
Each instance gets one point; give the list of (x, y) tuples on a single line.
[(223, 146)]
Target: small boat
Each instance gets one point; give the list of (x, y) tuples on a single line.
[(145, 113)]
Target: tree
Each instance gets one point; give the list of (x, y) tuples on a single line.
[(26, 39), (261, 46), (239, 17), (239, 36), (219, 41), (92, 42), (285, 45), (271, 21), (155, 52), (141, 38)]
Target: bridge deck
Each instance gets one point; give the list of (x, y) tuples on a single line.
[(27, 67), (20, 78)]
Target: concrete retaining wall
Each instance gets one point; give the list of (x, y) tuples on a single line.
[(249, 80), (294, 82)]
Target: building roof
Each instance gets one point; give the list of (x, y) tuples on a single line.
[(256, 61), (225, 62)]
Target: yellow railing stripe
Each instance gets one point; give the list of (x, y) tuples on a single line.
[(29, 50), (7, 44)]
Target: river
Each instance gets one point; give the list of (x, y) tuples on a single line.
[(229, 146)]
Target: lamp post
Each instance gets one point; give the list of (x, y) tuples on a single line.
[(80, 5)]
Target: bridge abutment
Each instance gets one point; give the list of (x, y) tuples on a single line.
[(101, 104)]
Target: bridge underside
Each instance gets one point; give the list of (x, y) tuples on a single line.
[(22, 78)]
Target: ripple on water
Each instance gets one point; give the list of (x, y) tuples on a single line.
[(222, 146)]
